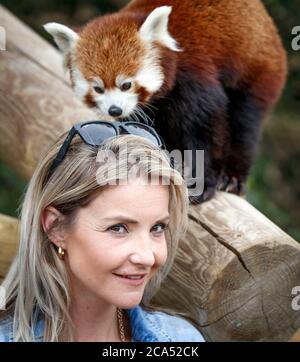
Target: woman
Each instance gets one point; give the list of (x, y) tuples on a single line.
[(95, 244)]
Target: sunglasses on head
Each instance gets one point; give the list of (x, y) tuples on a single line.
[(94, 133)]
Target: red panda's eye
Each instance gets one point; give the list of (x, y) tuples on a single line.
[(126, 86), (99, 90)]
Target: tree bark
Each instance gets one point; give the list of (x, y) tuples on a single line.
[(234, 270)]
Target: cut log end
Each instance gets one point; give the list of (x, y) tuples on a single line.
[(234, 288)]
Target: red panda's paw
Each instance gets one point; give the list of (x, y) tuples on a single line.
[(206, 195), (233, 185)]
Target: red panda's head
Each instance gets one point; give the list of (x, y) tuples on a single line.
[(114, 63)]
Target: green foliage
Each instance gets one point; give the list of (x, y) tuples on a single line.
[(11, 191)]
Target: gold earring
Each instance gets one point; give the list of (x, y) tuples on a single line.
[(61, 252)]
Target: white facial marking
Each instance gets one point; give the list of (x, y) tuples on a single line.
[(97, 82), (121, 79), (127, 101), (81, 85), (150, 75), (155, 28)]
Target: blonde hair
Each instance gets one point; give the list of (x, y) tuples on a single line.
[(37, 281)]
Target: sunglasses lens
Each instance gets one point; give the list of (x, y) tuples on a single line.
[(94, 134), (143, 131)]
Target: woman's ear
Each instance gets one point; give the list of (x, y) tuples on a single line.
[(50, 216)]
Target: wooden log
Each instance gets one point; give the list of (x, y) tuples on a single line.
[(9, 231), (234, 271), (296, 337), (36, 101)]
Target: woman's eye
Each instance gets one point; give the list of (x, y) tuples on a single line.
[(98, 90), (116, 228), (161, 228), (126, 86), (121, 228)]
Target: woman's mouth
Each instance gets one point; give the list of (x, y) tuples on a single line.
[(134, 280)]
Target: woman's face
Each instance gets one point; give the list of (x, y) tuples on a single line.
[(121, 232)]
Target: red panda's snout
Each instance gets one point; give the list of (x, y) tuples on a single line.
[(124, 100), (113, 103)]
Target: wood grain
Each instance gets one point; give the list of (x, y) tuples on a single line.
[(234, 274), (296, 337), (36, 101), (9, 231)]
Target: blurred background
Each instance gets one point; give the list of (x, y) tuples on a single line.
[(274, 184)]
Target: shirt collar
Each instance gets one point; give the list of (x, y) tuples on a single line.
[(143, 327)]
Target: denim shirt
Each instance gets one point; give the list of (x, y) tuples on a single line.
[(145, 327)]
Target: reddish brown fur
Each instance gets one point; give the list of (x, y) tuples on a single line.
[(106, 57), (89, 100), (237, 35), (207, 47), (144, 95)]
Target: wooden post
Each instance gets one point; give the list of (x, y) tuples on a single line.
[(234, 271), (9, 231), (36, 101)]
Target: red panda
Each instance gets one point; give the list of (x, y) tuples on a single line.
[(204, 72)]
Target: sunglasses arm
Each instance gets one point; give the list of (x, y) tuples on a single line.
[(62, 152)]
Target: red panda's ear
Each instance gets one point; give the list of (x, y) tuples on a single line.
[(155, 28), (64, 37)]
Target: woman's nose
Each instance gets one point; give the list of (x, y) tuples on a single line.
[(143, 252)]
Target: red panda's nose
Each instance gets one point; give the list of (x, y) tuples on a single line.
[(115, 111)]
